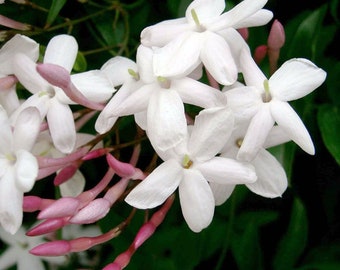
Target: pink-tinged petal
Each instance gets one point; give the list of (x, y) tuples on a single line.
[(26, 128), (272, 180), (117, 68), (144, 59), (197, 93), (296, 78), (18, 44), (157, 187), (288, 119), (217, 59), (210, 133), (228, 171), (257, 133), (61, 126), (154, 35), (94, 85), (62, 207), (240, 12), (10, 203), (221, 192), (243, 101), (94, 211), (61, 50), (276, 136), (166, 123), (180, 57), (252, 74), (74, 186), (197, 200), (6, 136), (261, 17), (205, 10), (24, 69), (26, 170)]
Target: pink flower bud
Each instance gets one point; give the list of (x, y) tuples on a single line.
[(92, 212), (96, 153), (5, 21), (59, 76), (260, 53), (7, 82), (63, 207), (121, 168), (143, 234), (48, 226), (112, 266), (276, 38), (65, 174), (55, 248), (244, 33), (35, 203)]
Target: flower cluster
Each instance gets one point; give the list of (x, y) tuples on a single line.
[(204, 156)]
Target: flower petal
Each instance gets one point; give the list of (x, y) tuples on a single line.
[(24, 69), (197, 200), (6, 135), (26, 170), (228, 171), (61, 125), (17, 44), (180, 57), (11, 200), (144, 59), (8, 257), (166, 123), (94, 85), (221, 192), (62, 50), (154, 35), (205, 10), (257, 133), (74, 186), (218, 60), (276, 136), (117, 68), (261, 17), (288, 119), (210, 133), (197, 93), (252, 74), (295, 79), (157, 187), (272, 180), (26, 128)]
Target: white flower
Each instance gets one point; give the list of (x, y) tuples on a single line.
[(190, 166), (52, 101), (17, 252), (199, 37), (266, 102), (18, 44), (18, 167)]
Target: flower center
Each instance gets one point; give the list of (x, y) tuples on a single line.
[(134, 74), (239, 142), (266, 97), (164, 82), (186, 162), (194, 16)]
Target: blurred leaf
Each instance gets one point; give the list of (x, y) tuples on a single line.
[(257, 219), (246, 247), (54, 10), (334, 7), (329, 123), (80, 64), (333, 75), (294, 241), (303, 43)]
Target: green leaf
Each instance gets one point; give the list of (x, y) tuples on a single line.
[(333, 75), (329, 124), (334, 7), (80, 64), (294, 242), (54, 10), (303, 43)]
